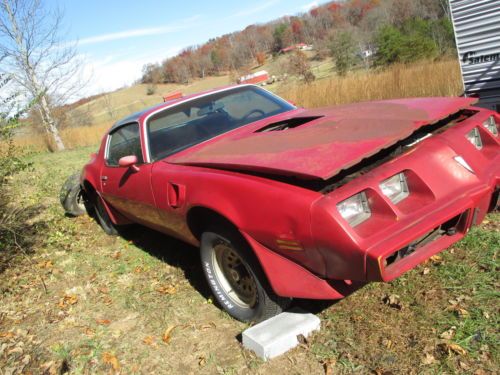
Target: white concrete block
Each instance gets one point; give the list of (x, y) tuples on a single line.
[(278, 334)]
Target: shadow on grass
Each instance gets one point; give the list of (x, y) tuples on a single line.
[(186, 257), (318, 306), (171, 251)]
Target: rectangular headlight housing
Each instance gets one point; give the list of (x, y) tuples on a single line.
[(395, 188), (474, 137), (491, 125), (355, 209)]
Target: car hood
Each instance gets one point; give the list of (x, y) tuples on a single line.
[(333, 139)]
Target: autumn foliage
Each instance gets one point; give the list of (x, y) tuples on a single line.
[(248, 48)]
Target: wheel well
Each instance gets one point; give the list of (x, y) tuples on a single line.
[(199, 218), (89, 191)]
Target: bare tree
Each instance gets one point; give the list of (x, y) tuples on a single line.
[(108, 105), (42, 65)]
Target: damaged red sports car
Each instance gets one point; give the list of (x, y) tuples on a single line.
[(286, 202)]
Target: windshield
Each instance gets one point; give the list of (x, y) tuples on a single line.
[(197, 120)]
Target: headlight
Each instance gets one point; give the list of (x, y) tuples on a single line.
[(395, 188), (475, 138), (491, 125), (355, 209)]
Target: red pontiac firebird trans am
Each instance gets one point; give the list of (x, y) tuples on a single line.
[(286, 202)]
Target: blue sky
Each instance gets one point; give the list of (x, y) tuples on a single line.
[(116, 38)]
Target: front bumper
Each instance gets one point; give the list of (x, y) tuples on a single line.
[(445, 200), (413, 245)]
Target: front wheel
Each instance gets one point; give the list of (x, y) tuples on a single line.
[(236, 278)]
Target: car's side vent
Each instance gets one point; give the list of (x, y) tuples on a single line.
[(287, 124)]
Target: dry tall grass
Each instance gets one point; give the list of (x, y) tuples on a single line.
[(441, 78), (73, 138)]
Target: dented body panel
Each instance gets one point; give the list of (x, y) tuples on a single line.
[(342, 135), (275, 186)]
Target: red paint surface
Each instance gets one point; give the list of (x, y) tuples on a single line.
[(323, 147), (161, 195)]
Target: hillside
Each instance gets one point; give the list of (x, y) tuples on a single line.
[(426, 78)]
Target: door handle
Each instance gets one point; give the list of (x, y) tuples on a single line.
[(104, 178)]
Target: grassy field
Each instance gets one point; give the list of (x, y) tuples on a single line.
[(139, 304)]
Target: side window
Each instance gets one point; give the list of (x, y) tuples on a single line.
[(124, 141)]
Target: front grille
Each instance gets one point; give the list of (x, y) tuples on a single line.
[(449, 228)]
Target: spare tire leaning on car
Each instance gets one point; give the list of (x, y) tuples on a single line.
[(71, 196)]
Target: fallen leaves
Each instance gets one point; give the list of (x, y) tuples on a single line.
[(207, 326), (103, 290), (428, 359), (103, 322), (449, 334), (387, 343), (116, 255), (167, 335), (7, 335), (47, 264), (379, 371), (329, 365), (110, 359), (167, 289), (202, 360), (148, 340), (436, 259), (67, 300), (456, 306), (451, 347), (89, 332)]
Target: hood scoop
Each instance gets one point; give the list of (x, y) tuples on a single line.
[(287, 124)]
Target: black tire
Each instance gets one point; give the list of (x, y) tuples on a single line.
[(71, 196), (236, 278), (103, 218)]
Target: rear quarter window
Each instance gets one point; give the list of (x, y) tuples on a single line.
[(122, 142)]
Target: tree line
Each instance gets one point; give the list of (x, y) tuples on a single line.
[(397, 30)]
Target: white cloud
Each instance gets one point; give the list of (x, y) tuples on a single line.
[(310, 6), (255, 9), (134, 33), (115, 71)]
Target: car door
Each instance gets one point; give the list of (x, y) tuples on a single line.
[(128, 189)]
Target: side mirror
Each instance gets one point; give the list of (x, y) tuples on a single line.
[(129, 161)]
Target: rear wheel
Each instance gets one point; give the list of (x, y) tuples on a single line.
[(236, 278), (71, 196)]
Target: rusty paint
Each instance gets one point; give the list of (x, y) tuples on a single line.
[(321, 148)]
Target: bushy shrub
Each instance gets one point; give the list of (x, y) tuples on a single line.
[(11, 161), (343, 52), (415, 39), (299, 65)]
